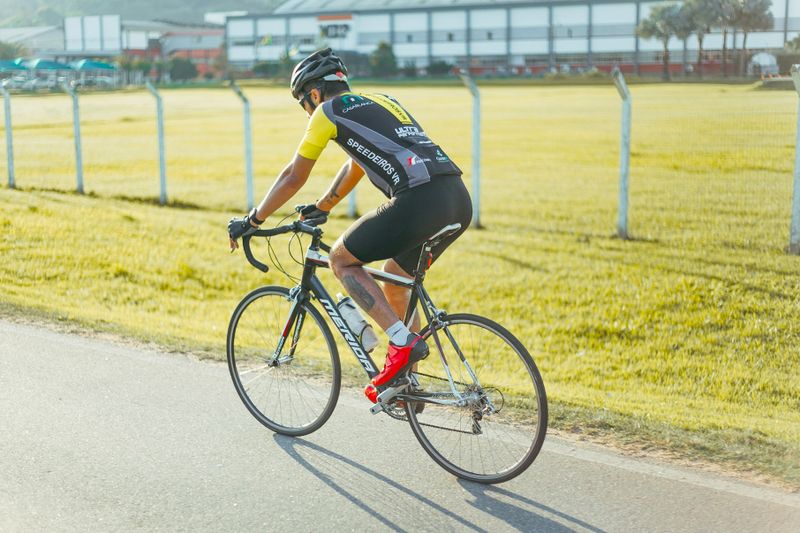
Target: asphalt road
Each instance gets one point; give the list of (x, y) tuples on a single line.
[(95, 436)]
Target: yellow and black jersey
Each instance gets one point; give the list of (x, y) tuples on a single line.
[(381, 136)]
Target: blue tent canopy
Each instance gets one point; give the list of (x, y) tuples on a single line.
[(47, 64), (7, 64), (89, 64)]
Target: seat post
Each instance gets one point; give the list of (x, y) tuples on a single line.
[(424, 263)]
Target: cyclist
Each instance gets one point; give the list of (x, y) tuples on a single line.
[(423, 185)]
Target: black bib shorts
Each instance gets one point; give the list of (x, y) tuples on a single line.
[(399, 228)]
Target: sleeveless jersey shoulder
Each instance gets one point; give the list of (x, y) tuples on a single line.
[(319, 131), (386, 141)]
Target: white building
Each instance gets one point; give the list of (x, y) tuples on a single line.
[(37, 40), (520, 35)]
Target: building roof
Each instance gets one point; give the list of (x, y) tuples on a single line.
[(165, 25), (296, 7), (18, 35)]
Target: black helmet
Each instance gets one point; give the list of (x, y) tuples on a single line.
[(321, 65)]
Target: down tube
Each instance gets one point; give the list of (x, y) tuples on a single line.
[(330, 307)]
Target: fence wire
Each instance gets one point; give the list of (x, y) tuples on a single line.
[(712, 165)]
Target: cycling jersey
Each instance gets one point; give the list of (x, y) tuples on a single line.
[(381, 136)]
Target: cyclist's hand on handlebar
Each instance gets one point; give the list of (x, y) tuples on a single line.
[(312, 214), (242, 227)]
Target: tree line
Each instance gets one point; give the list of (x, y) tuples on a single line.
[(699, 18)]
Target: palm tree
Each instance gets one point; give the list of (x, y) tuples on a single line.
[(661, 24), (684, 28), (701, 16), (723, 14), (749, 16)]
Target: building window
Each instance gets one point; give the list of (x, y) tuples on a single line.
[(449, 36), (409, 38), (488, 36), (569, 33)]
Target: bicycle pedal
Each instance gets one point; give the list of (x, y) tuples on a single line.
[(377, 408)]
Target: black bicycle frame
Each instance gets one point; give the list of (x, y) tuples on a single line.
[(310, 285)]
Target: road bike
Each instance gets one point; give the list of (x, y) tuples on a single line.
[(476, 404)]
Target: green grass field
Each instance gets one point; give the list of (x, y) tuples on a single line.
[(683, 339)]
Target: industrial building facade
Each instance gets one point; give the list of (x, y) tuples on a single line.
[(522, 36)]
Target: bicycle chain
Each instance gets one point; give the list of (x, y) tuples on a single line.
[(405, 418)]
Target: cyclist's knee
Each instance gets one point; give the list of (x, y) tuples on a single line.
[(341, 258)]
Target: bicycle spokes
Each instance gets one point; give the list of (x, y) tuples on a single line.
[(466, 425)]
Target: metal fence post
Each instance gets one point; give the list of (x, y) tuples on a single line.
[(9, 135), (476, 146), (624, 154), (162, 160), (794, 232), (248, 144), (76, 126)]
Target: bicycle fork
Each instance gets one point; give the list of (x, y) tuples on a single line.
[(295, 319)]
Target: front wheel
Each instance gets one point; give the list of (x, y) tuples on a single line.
[(486, 422), (283, 361)]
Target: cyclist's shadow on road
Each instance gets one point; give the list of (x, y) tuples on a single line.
[(403, 508), (515, 509)]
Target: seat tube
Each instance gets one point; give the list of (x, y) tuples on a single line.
[(412, 305)]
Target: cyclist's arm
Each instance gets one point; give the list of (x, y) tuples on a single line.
[(318, 132), (346, 179), (289, 181)]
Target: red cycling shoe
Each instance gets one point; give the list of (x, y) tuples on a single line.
[(400, 357), (371, 392)]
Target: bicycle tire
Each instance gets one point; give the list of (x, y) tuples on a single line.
[(250, 349), (441, 429)]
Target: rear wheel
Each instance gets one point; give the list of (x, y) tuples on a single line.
[(493, 429), (287, 374)]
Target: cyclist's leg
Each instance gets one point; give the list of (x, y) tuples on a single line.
[(380, 234), (397, 296), (400, 225), (404, 347), (360, 285)]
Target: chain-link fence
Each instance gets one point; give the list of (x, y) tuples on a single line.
[(712, 164), (709, 163)]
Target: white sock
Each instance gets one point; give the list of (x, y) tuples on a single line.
[(398, 333)]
